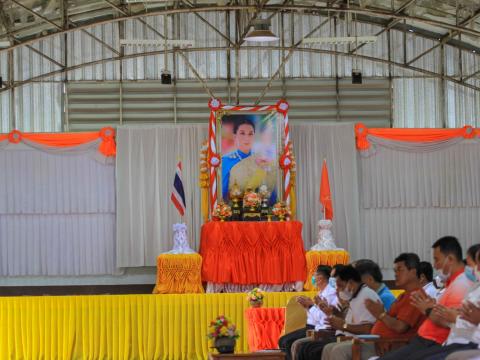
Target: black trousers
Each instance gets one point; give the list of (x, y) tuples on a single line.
[(286, 341), (312, 350), (449, 349), (417, 349)]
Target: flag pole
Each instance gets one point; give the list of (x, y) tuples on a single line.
[(321, 173), (179, 160)]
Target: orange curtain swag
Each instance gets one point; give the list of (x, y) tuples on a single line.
[(107, 146), (411, 135)]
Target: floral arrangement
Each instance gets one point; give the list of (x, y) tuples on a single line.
[(255, 295), (222, 327), (280, 210), (222, 211), (251, 199)]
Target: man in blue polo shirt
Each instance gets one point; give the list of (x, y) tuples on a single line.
[(372, 277)]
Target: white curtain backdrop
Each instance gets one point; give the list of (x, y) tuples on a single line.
[(312, 143), (146, 161), (412, 196), (57, 214), (146, 158)]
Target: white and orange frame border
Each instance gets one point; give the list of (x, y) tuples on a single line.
[(210, 159)]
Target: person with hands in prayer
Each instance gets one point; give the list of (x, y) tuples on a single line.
[(447, 256), (400, 321)]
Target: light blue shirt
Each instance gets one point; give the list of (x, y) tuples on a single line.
[(386, 296)]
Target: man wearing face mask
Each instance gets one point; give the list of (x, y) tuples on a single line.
[(315, 317), (400, 321), (327, 308), (358, 319), (463, 329), (447, 259)]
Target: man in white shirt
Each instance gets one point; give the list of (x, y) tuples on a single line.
[(315, 317), (426, 279), (358, 319)]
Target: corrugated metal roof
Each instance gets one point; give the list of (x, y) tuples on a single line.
[(93, 105), (259, 63)]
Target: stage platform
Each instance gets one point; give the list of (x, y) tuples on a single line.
[(120, 326)]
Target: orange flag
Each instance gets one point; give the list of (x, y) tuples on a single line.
[(325, 195)]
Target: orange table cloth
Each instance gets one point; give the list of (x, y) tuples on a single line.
[(252, 252), (265, 326), (179, 274), (324, 257)]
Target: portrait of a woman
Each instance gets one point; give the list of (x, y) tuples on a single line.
[(247, 163)]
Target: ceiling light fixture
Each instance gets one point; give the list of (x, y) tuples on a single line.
[(157, 43), (5, 43), (340, 40), (261, 32)]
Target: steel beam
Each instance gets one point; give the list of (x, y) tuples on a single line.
[(445, 38), (391, 23), (267, 8), (279, 48), (127, 13)]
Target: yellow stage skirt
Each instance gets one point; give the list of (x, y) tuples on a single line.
[(119, 326), (325, 257), (179, 274)]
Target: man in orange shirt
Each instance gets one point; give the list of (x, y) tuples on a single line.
[(447, 257), (402, 320)]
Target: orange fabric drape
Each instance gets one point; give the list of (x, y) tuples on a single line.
[(324, 257), (107, 147), (265, 326), (179, 274), (252, 252), (411, 135)]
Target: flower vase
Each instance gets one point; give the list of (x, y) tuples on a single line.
[(256, 304), (222, 218), (225, 345), (281, 217)]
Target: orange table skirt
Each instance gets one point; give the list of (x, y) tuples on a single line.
[(324, 257), (252, 252), (179, 274), (265, 326)]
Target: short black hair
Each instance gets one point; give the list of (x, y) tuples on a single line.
[(449, 245), (242, 121), (348, 272), (324, 270), (426, 269), (369, 267), (411, 261), (473, 250), (336, 267)]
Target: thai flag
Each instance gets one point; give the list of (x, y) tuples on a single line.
[(178, 195)]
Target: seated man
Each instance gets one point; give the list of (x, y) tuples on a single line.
[(426, 280), (358, 319), (373, 278), (337, 307), (402, 320), (447, 259), (315, 317), (463, 323)]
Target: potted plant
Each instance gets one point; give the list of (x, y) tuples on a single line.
[(255, 297), (224, 334)]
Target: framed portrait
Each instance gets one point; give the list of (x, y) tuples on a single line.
[(250, 144)]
